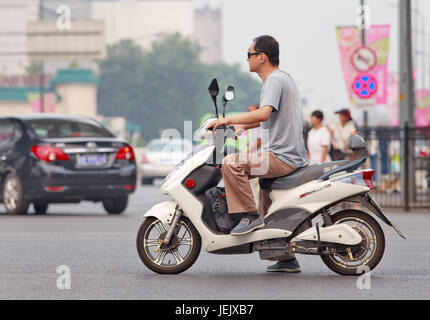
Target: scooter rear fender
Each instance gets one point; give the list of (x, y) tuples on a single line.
[(367, 201)]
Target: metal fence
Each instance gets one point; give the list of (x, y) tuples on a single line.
[(386, 147)]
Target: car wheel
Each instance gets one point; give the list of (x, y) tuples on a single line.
[(147, 180), (13, 195), (115, 205), (40, 207)]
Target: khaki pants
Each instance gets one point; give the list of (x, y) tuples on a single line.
[(255, 186), (238, 168)]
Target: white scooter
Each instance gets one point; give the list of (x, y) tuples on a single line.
[(169, 239)]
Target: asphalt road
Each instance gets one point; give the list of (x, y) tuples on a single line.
[(101, 253)]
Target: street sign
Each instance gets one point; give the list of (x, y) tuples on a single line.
[(363, 59), (358, 60), (364, 86)]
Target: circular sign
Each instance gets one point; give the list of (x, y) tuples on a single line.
[(364, 86), (363, 59)]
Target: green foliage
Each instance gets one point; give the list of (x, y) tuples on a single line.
[(32, 68), (166, 85), (74, 64)]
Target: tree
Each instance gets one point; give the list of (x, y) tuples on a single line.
[(121, 80), (246, 88), (32, 68), (173, 83), (166, 85)]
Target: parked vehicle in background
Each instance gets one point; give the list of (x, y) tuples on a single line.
[(52, 158), (161, 156)]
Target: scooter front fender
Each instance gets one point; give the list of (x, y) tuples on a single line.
[(164, 211)]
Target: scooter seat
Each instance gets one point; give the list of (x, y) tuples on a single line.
[(300, 176)]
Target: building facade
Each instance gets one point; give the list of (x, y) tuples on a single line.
[(71, 91), (143, 20), (208, 33)]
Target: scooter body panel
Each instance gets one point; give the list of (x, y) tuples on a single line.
[(314, 195), (180, 173), (340, 233)]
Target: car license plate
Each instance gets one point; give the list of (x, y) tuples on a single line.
[(91, 160), (166, 161)]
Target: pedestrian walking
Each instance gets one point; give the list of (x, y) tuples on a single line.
[(341, 132), (319, 139)]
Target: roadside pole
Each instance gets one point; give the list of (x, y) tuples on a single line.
[(363, 43), (406, 103), (42, 67)]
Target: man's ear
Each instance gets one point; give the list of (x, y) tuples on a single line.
[(262, 58)]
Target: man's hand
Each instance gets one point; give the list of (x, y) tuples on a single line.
[(216, 123)]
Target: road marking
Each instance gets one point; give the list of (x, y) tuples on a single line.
[(17, 234), (105, 234), (79, 234)]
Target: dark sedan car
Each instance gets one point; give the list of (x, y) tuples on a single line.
[(51, 158)]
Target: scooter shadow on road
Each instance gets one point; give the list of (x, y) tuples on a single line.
[(257, 276)]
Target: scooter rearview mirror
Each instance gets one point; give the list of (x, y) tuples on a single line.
[(213, 91), (213, 88), (228, 96)]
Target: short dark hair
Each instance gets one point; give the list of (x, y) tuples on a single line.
[(318, 114), (269, 46)]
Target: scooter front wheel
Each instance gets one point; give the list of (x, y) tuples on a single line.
[(176, 257)]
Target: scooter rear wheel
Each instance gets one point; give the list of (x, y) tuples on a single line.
[(181, 253), (371, 249)]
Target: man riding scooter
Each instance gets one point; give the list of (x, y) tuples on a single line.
[(282, 150)]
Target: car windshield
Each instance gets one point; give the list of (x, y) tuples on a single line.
[(169, 146), (58, 128)]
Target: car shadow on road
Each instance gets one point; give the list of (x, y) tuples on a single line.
[(64, 214)]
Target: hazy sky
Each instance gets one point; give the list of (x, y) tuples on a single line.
[(305, 30)]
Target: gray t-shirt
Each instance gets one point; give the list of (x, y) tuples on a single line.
[(282, 133)]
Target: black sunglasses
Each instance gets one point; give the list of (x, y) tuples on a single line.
[(253, 54)]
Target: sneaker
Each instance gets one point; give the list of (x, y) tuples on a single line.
[(247, 224), (291, 266)]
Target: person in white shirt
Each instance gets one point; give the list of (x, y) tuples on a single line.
[(341, 132), (318, 140)]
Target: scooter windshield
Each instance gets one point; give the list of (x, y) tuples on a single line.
[(180, 164), (202, 134)]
